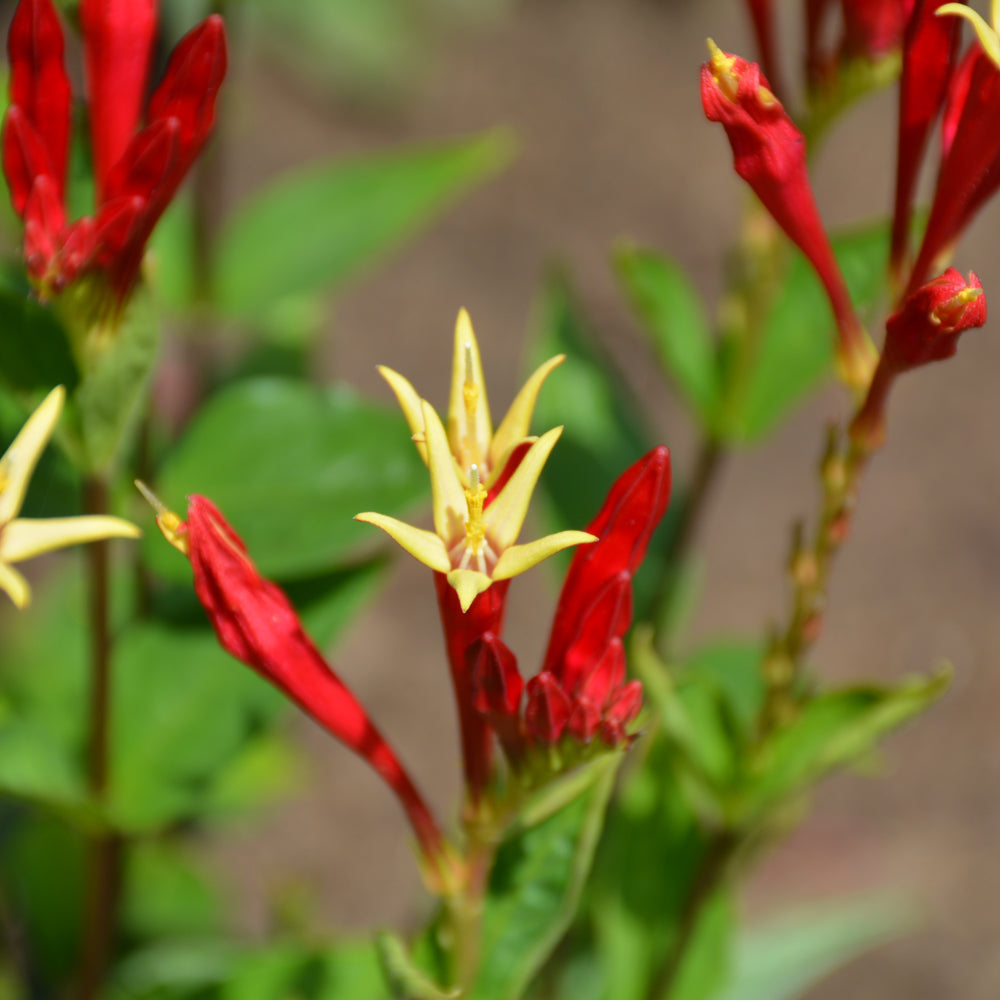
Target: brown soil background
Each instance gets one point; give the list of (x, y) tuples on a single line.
[(604, 100)]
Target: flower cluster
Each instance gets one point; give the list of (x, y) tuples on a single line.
[(481, 483), (136, 170)]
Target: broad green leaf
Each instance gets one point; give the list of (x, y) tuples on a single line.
[(289, 465), (788, 955), (315, 228), (34, 348), (535, 886), (796, 346), (166, 894), (107, 401), (673, 319), (170, 261), (833, 730)]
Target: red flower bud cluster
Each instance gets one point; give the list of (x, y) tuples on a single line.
[(136, 172), (581, 692)]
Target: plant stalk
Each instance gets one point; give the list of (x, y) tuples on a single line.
[(104, 862)]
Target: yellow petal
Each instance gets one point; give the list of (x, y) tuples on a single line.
[(423, 545), (468, 584), (519, 558), (988, 37), (469, 424), (410, 404), (516, 424), (15, 586), (506, 514), (27, 537), (450, 509), (22, 456)]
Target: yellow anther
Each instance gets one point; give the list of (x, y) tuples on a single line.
[(722, 69), (475, 497), (470, 388), (173, 529)]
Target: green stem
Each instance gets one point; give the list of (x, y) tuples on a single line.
[(708, 878), (101, 899)]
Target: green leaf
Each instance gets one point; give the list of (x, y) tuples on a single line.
[(705, 967), (732, 668), (107, 400), (674, 320), (832, 730), (166, 894), (34, 348), (315, 228), (784, 958), (796, 346), (35, 767), (535, 886), (290, 465)]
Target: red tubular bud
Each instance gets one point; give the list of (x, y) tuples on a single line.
[(626, 704), (970, 171), (547, 711), (634, 507), (769, 153), (926, 328), (190, 84), (931, 319), (118, 40), (930, 46), (496, 683), (255, 622), (39, 85)]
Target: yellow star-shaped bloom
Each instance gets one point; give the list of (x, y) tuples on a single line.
[(988, 34), (474, 544), (22, 538)]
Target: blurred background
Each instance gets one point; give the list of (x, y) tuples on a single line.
[(601, 101)]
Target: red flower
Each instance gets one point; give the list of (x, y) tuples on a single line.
[(762, 16), (926, 328), (255, 622), (136, 173), (769, 154)]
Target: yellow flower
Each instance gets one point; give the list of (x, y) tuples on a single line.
[(988, 34), (21, 537), (472, 545)]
